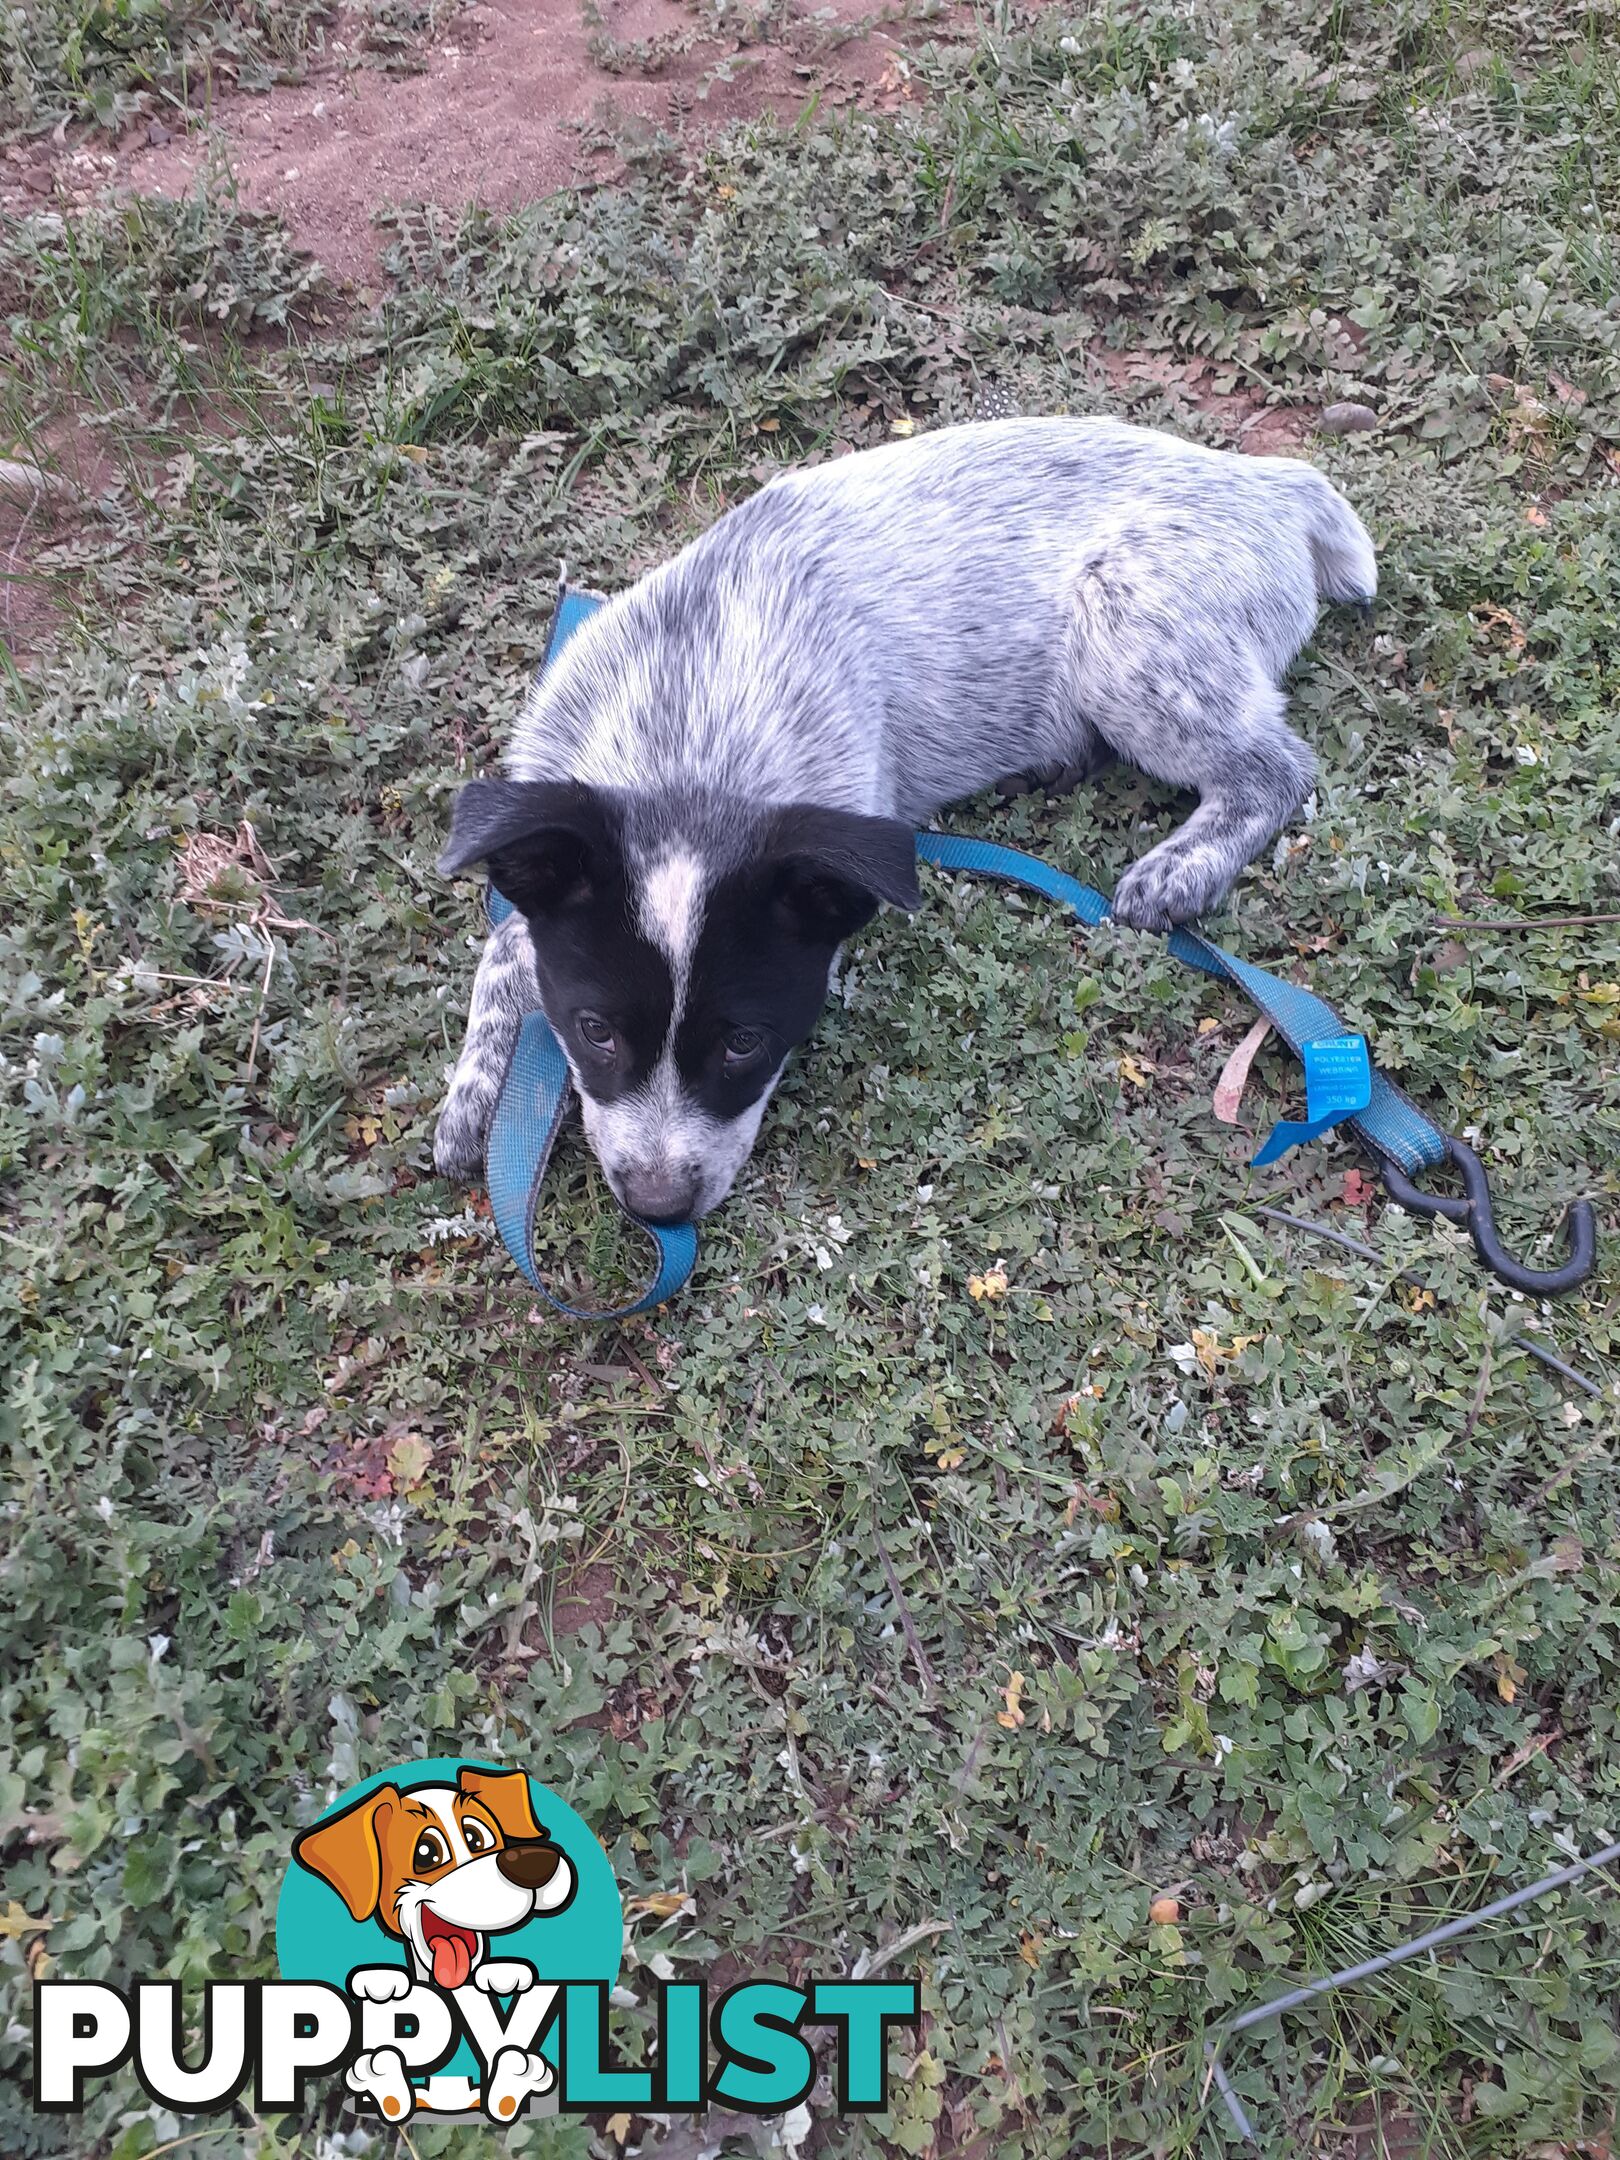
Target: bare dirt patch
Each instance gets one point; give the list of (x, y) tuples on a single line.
[(54, 492), (1256, 427), (513, 100)]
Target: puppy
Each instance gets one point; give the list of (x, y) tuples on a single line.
[(442, 1868), (718, 778)]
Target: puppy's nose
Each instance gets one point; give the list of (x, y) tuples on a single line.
[(660, 1196), (529, 1863)]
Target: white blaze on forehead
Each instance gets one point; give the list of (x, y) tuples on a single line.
[(672, 908)]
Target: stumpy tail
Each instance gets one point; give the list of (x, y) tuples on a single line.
[(1346, 564)]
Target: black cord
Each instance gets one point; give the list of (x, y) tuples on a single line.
[(1368, 1252)]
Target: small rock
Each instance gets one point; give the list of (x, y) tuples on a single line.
[(157, 135), (1347, 419)]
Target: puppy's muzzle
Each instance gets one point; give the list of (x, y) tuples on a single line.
[(529, 1863)]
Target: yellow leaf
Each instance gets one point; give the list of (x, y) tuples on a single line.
[(1211, 1352), (1012, 1695), (1131, 1071), (1535, 517), (1164, 1912), (1030, 1948), (662, 1904), (618, 2128), (1208, 1027), (15, 1923), (902, 426), (409, 1457), (992, 1284)]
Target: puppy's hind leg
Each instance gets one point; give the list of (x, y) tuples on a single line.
[(1251, 772), (505, 992), (1177, 631)]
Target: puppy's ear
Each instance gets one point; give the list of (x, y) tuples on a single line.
[(831, 868), (547, 842), (345, 1850), (506, 1794)]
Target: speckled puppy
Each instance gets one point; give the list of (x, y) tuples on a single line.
[(718, 778)]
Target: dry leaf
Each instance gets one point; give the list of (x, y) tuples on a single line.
[(1012, 1695), (408, 1458), (16, 1923), (1235, 1073), (1212, 1353), (662, 1904)]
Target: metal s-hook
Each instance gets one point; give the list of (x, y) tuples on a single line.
[(1476, 1214)]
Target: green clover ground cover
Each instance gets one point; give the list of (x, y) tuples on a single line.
[(1005, 1529)]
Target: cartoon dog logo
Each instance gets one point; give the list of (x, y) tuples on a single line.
[(443, 1869)]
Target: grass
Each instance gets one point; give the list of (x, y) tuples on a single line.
[(842, 1597), (107, 60)]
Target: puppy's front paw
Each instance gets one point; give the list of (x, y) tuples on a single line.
[(1169, 886), (504, 1976), (458, 1139), (380, 1983)]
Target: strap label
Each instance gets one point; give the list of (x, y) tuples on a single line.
[(1338, 1084)]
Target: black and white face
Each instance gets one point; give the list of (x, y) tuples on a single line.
[(680, 959)]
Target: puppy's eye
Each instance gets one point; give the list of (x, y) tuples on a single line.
[(596, 1031), (742, 1045), (478, 1838), (431, 1852)]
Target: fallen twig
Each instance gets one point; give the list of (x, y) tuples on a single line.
[(26, 483), (908, 1626), (1520, 922)]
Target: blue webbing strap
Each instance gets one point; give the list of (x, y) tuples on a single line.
[(1391, 1125), (534, 1094)]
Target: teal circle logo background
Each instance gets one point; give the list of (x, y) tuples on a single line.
[(317, 1939)]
